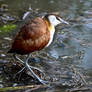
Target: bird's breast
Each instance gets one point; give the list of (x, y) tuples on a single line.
[(51, 29), (51, 36)]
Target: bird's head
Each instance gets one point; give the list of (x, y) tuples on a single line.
[(54, 19)]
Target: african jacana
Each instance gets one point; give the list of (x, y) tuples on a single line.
[(35, 35)]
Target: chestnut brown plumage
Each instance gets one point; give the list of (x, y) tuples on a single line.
[(35, 35)]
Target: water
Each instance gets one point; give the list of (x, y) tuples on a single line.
[(77, 38)]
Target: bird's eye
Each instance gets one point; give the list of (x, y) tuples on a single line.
[(58, 18)]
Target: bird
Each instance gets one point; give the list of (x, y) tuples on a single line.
[(35, 35)]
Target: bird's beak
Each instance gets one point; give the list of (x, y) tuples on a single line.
[(62, 21)]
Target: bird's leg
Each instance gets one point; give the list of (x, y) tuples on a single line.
[(35, 68), (16, 57), (30, 69)]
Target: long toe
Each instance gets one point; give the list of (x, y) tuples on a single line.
[(19, 72), (38, 70), (43, 82)]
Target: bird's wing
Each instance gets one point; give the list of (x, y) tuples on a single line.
[(32, 36)]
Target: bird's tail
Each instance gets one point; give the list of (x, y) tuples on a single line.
[(10, 51)]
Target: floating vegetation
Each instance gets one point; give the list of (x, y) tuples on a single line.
[(31, 87), (7, 28)]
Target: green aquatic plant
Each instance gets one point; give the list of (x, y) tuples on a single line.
[(7, 28)]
